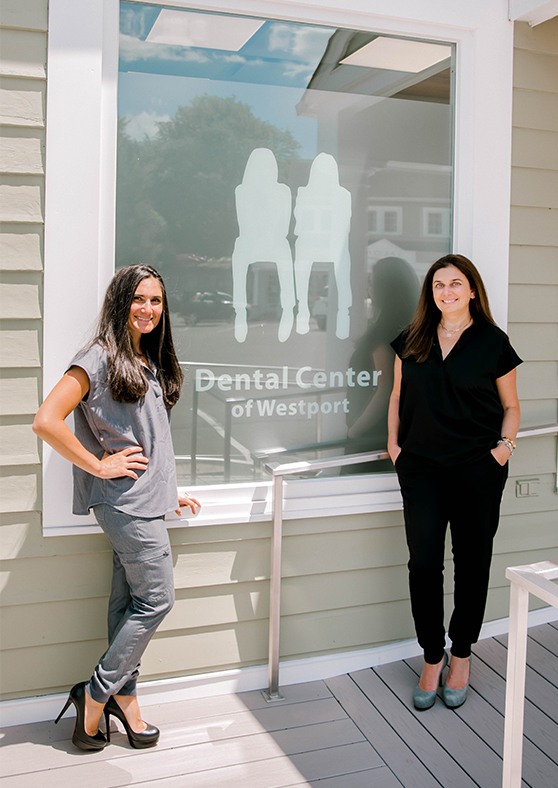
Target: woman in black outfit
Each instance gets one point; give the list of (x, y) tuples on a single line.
[(452, 422)]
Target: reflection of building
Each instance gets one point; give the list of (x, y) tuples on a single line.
[(395, 127), (199, 274), (384, 248), (410, 205)]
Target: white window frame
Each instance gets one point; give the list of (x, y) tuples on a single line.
[(444, 214), (80, 198)]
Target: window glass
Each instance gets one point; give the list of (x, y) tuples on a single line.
[(292, 183)]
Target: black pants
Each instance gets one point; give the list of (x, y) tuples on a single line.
[(468, 498)]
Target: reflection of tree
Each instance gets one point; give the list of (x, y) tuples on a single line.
[(176, 191), (140, 228)]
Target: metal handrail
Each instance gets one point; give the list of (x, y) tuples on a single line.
[(278, 473)]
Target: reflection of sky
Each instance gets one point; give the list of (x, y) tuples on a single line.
[(270, 73), (147, 98)]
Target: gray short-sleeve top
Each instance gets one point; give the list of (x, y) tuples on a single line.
[(104, 425)]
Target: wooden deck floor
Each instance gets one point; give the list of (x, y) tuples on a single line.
[(352, 731)]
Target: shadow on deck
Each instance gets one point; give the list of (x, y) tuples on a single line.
[(352, 731)]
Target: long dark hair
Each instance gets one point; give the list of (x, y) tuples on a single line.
[(422, 328), (126, 376)]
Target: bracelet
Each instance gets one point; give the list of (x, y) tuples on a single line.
[(508, 443)]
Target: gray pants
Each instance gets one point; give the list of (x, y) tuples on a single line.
[(141, 596)]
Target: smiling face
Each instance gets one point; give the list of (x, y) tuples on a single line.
[(452, 293), (146, 309)]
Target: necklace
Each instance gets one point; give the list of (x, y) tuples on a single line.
[(451, 331)]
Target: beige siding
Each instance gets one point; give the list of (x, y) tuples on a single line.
[(523, 297), (529, 524), (345, 582), (21, 199), (533, 264), (532, 187), (533, 69), (23, 53), (24, 14), (18, 493), (533, 226), (18, 395), (532, 109), (56, 623), (20, 249), (19, 300), (21, 152), (22, 91), (533, 147), (22, 103), (19, 446), (19, 346)]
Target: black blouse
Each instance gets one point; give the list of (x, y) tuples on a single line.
[(449, 409)]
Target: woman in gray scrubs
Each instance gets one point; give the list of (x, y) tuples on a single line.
[(121, 388)]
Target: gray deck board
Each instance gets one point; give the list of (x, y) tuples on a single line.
[(547, 636), (477, 762), (441, 767), (352, 731), (545, 661), (541, 693), (538, 727), (378, 778), (388, 742)]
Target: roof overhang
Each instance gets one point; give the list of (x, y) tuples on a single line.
[(532, 11)]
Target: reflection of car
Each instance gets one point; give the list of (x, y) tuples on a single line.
[(319, 309), (210, 305)]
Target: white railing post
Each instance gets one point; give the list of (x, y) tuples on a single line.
[(515, 687), (536, 579)]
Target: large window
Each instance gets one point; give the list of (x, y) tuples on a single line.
[(323, 129), (277, 174)]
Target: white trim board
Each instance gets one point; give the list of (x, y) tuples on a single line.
[(41, 709)]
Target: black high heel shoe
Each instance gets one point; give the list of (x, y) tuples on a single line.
[(80, 738), (147, 738)]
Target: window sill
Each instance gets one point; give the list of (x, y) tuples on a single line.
[(252, 503)]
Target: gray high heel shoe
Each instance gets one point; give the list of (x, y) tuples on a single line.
[(425, 699), (454, 698)]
